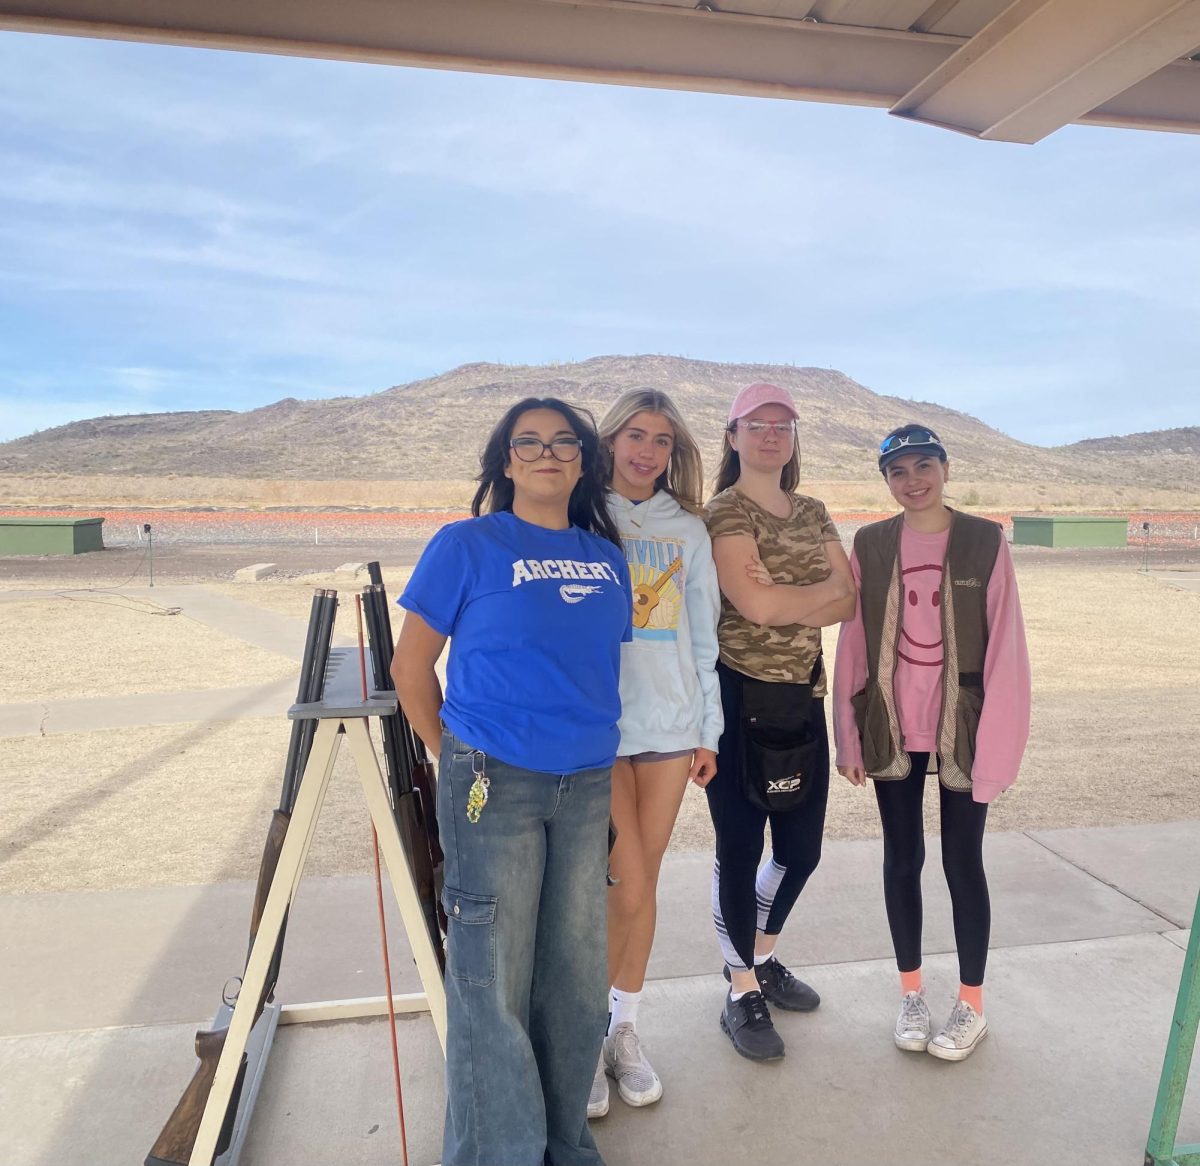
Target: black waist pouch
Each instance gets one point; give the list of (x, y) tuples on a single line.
[(780, 747)]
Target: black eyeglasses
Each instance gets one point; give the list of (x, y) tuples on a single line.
[(913, 437), (531, 449)]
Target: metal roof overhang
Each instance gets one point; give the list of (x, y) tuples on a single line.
[(1008, 71)]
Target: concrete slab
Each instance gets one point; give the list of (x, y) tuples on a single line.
[(1065, 1076), (94, 959), (253, 573), (1037, 897), (1154, 865), (162, 954), (254, 625), (1178, 938), (98, 713), (1185, 580)]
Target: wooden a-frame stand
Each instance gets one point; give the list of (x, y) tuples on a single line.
[(337, 715)]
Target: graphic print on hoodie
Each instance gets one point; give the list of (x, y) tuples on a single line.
[(655, 566)]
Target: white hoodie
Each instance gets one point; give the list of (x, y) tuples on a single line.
[(670, 695)]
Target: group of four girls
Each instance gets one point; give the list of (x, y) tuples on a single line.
[(612, 639)]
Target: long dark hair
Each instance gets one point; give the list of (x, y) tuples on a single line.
[(586, 508), (730, 468)]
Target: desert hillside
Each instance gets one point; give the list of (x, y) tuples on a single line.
[(431, 430)]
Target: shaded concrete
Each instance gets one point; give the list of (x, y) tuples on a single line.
[(1156, 865), (1081, 986), (150, 955), (1037, 897), (162, 954), (1064, 1076)]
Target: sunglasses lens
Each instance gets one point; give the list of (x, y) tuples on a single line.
[(913, 437)]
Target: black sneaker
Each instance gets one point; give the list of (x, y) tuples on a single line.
[(782, 989), (747, 1022)]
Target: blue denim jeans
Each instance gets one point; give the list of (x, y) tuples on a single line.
[(525, 896)]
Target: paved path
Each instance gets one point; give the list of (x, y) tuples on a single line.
[(245, 621), (101, 992)]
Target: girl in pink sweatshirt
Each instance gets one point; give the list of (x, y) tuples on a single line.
[(932, 675)]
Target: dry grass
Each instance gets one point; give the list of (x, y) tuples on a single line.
[(1115, 705), (98, 645), (98, 490)]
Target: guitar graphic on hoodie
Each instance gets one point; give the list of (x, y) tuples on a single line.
[(647, 597)]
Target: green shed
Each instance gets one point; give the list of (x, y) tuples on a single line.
[(50, 536), (1069, 530)]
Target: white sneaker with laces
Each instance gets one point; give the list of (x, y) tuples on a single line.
[(913, 1024), (960, 1034), (598, 1098), (637, 1082)]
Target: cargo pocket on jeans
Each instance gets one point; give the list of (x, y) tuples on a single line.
[(471, 946)]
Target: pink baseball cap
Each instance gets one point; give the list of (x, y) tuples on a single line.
[(758, 394)]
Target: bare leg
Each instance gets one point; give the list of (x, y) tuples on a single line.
[(658, 788)]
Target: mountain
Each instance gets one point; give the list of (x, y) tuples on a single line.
[(433, 429)]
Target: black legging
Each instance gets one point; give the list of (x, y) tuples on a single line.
[(962, 859), (743, 902)]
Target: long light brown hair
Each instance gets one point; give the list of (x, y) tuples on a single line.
[(730, 468), (683, 478)]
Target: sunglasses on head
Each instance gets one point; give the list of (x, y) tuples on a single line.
[(914, 437)]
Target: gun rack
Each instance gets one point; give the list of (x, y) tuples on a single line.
[(341, 712)]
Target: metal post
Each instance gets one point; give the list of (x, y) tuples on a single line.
[(1160, 1148)]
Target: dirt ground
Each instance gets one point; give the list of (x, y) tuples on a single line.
[(1115, 704)]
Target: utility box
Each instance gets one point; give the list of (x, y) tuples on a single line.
[(1070, 530), (50, 536)]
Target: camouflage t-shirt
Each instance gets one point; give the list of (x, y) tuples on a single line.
[(793, 550)]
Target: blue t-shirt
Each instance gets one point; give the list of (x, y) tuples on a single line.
[(536, 618)]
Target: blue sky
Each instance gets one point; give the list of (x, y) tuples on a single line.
[(182, 229)]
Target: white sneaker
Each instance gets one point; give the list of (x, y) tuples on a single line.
[(598, 1098), (637, 1082), (960, 1034), (913, 1024)]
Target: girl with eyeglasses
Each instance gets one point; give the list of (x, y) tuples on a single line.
[(932, 676), (533, 595), (670, 699), (783, 576)]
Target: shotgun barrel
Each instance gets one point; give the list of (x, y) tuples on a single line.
[(410, 775), (175, 1143)]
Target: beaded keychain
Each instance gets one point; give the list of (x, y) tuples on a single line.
[(477, 796)]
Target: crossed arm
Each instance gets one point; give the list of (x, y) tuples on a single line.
[(815, 605)]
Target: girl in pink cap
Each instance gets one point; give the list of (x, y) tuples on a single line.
[(932, 675), (783, 576)]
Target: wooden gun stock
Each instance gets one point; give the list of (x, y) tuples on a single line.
[(266, 875), (174, 1144)]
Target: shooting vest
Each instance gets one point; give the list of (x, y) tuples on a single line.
[(971, 552)]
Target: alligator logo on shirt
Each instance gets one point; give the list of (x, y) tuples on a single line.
[(577, 592)]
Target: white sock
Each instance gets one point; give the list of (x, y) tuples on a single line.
[(736, 996), (759, 960), (624, 1007)]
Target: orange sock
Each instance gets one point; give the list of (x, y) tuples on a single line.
[(910, 982), (972, 995)]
